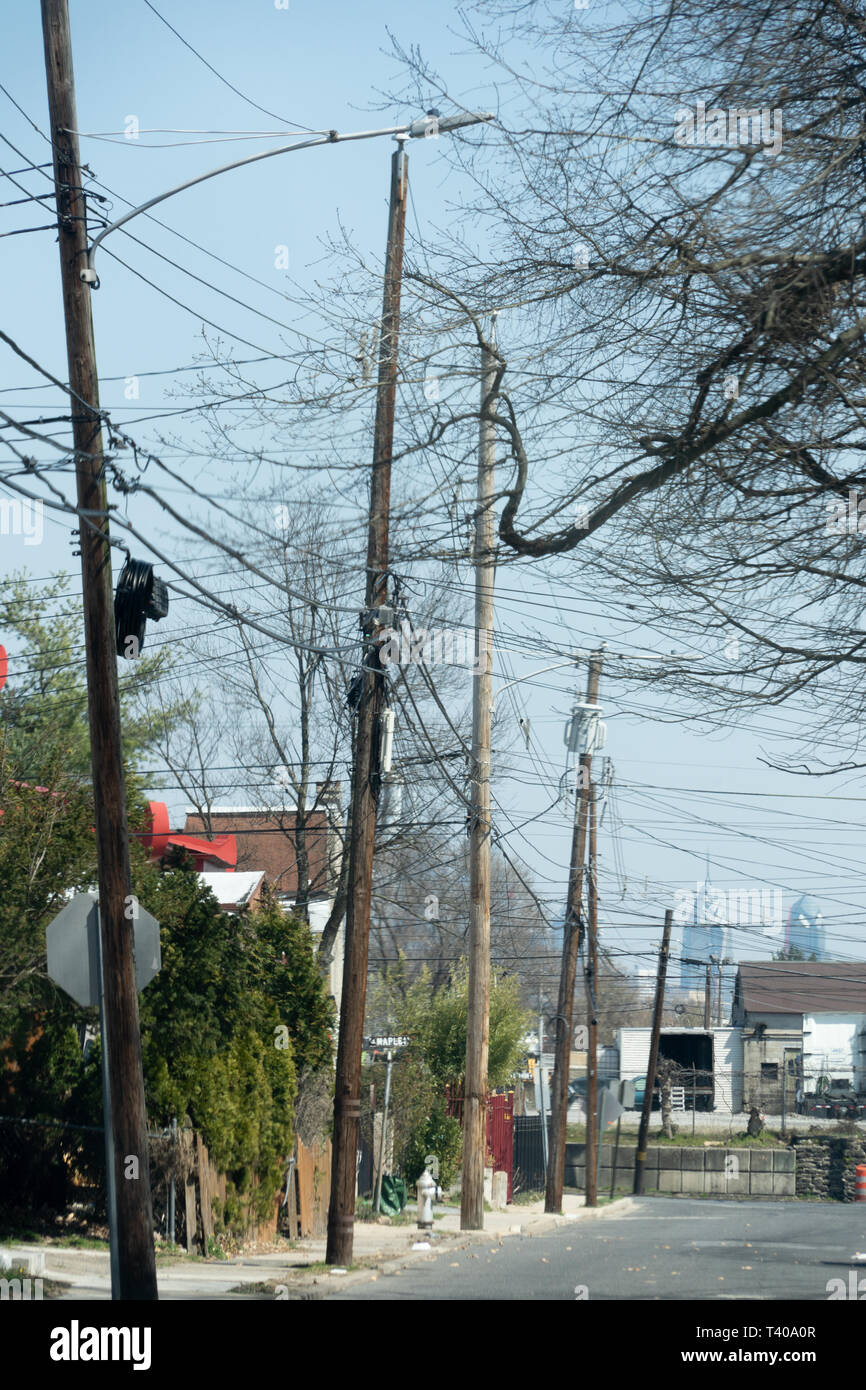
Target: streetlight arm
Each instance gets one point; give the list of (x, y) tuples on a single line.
[(557, 666), (581, 655), (90, 276), (415, 130)]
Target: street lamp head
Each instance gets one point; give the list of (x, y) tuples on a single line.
[(433, 124)]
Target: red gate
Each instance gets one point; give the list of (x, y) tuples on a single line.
[(500, 1130), (500, 1136)]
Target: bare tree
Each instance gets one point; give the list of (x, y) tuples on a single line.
[(670, 226), (421, 912)]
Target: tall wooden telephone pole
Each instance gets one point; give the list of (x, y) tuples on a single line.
[(572, 941), (134, 1271), (592, 1133), (478, 1007), (366, 777), (658, 1010)]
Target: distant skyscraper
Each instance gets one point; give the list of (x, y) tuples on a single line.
[(805, 928), (703, 916)]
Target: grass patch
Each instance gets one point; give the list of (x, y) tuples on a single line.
[(318, 1267), (165, 1252), (49, 1288), (740, 1140), (364, 1212), (78, 1242), (270, 1286), (70, 1242), (768, 1139), (256, 1289)]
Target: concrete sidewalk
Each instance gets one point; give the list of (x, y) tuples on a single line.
[(298, 1270)]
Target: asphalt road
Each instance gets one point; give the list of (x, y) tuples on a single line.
[(665, 1248)]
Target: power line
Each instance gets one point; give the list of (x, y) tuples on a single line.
[(225, 80), (20, 231)]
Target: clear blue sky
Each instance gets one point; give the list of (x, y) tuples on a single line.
[(320, 67)]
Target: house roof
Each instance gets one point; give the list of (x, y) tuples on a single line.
[(266, 840), (318, 911), (221, 850), (158, 839), (233, 890), (802, 987)]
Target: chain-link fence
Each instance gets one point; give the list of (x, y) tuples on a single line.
[(52, 1173)]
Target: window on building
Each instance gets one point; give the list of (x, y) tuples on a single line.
[(769, 1071)]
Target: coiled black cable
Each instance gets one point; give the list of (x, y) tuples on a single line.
[(139, 596)]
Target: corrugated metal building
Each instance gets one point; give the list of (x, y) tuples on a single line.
[(716, 1054)]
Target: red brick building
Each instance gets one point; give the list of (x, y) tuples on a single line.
[(255, 847)]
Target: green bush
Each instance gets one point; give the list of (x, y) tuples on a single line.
[(442, 1136), (435, 1023)]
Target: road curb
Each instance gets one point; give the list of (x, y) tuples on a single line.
[(537, 1224), (323, 1284)]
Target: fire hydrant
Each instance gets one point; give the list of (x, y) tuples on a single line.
[(426, 1189)]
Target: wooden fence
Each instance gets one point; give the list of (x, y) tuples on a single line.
[(314, 1188), (206, 1185), (309, 1195)]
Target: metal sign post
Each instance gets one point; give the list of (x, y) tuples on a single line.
[(626, 1100), (107, 1120), (609, 1109), (74, 954)]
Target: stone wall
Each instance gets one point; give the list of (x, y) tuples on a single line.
[(741, 1172), (826, 1165)]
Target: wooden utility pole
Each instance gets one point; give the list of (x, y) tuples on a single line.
[(135, 1274), (366, 776), (541, 1110), (478, 1007), (707, 995), (571, 944), (591, 976), (643, 1131)]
